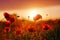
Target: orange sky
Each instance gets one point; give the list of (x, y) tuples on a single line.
[(23, 4), (20, 7)]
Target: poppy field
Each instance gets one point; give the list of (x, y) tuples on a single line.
[(21, 29)]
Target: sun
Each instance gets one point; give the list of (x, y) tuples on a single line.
[(33, 13)]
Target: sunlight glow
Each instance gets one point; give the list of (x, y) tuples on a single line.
[(33, 13)]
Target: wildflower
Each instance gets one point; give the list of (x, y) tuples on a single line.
[(31, 29), (6, 29), (7, 24), (55, 22), (43, 39), (46, 27), (9, 17), (6, 15), (12, 20), (38, 16), (18, 32)]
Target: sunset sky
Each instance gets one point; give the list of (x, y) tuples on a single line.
[(25, 8)]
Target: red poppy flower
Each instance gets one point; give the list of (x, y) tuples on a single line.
[(55, 22), (43, 39), (38, 16), (7, 24), (6, 15), (46, 27), (12, 20), (6, 29), (18, 32), (31, 29), (9, 17)]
